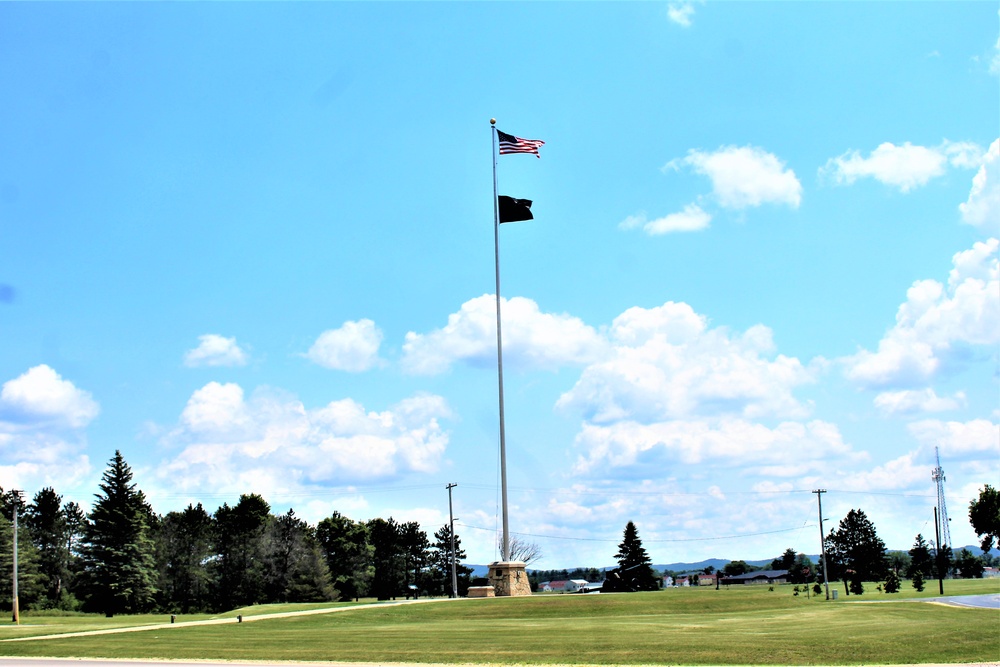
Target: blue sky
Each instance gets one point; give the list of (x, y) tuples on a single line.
[(251, 246)]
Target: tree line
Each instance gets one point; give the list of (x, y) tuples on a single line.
[(124, 558), (854, 554)]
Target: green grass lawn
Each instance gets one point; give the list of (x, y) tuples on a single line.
[(682, 626)]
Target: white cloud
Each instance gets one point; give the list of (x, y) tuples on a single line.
[(905, 472), (937, 325), (272, 443), (680, 13), (908, 401), (40, 395), (633, 221), (983, 206), (744, 176), (215, 350), (693, 218), (658, 448), (531, 339), (959, 439), (216, 408), (905, 167), (995, 60), (353, 347), (666, 364), (42, 417)]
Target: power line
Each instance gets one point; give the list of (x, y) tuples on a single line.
[(688, 539), (334, 493)]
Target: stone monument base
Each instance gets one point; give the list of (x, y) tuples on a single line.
[(481, 592), (509, 578)]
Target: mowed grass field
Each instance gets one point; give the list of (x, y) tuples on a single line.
[(739, 626)]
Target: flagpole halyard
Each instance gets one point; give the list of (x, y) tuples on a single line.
[(505, 551)]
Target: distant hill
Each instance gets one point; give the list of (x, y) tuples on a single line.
[(717, 563)]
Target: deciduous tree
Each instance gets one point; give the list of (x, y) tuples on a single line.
[(855, 551), (984, 515), (969, 566), (520, 549)]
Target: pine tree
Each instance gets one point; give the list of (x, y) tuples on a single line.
[(119, 569), (295, 569), (388, 559), (892, 582), (416, 555), (921, 561), (634, 572), (348, 554), (441, 563), (30, 583), (185, 546), (239, 535), (46, 521)]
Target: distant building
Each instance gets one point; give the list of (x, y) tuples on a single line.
[(990, 572), (565, 586), (759, 577)]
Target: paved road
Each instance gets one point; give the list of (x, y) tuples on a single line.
[(991, 601)]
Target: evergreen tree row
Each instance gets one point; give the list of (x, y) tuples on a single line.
[(123, 558)]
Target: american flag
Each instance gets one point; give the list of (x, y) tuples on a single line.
[(511, 144)]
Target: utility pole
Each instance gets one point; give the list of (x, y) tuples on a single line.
[(940, 554), (451, 524), (822, 539), (17, 500)]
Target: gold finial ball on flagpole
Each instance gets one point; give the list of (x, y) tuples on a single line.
[(493, 121)]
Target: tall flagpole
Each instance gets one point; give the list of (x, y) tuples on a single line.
[(505, 552)]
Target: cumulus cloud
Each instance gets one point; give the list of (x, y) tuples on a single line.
[(215, 350), (42, 422), (983, 206), (938, 325), (959, 439), (353, 347), (744, 176), (909, 401), (680, 13), (42, 396), (665, 363), (904, 472), (733, 443), (693, 218), (904, 167), (272, 443), (531, 339)]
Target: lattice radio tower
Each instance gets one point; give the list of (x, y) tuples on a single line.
[(938, 476)]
